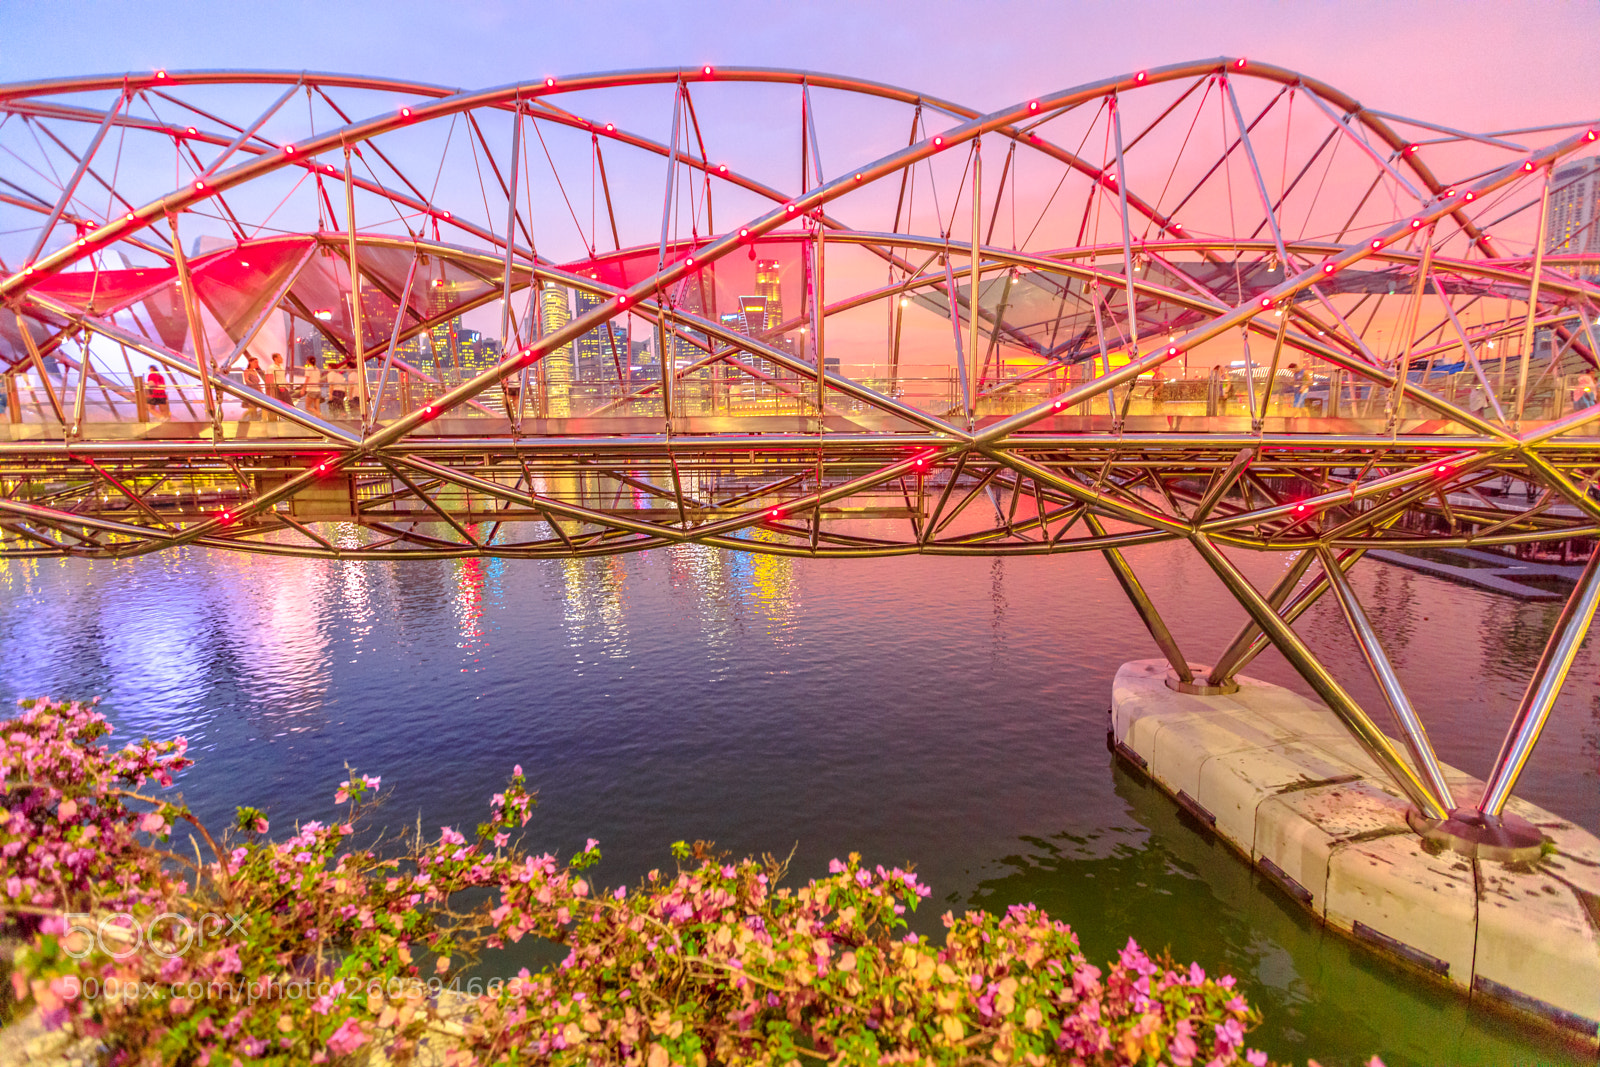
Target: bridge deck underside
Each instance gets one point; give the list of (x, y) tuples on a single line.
[(803, 494)]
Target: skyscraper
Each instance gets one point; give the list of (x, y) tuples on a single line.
[(756, 314), (444, 335), (558, 363), (767, 279), (1570, 223), (595, 360), (690, 299)]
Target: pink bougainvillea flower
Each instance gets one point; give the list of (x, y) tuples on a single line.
[(347, 1038)]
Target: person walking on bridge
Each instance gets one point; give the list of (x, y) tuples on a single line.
[(278, 385), (1583, 392), (312, 389), (155, 385), (252, 380), (336, 389)]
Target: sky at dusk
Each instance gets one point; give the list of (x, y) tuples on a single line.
[(1472, 65), (1475, 64)]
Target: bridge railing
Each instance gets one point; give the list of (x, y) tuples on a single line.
[(1221, 392)]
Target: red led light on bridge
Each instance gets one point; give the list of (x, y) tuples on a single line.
[(288, 149), (1239, 63), (161, 75), (611, 127), (775, 514), (1328, 268), (405, 112), (549, 83), (1266, 301), (1470, 196), (1528, 166), (1033, 105), (1416, 224), (199, 185), (1172, 351), (705, 70), (938, 141), (1377, 242), (192, 131)]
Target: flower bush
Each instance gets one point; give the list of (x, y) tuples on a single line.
[(315, 948)]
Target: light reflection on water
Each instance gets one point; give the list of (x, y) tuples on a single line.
[(947, 712)]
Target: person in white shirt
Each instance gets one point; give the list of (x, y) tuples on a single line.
[(312, 389), (277, 385), (336, 389)]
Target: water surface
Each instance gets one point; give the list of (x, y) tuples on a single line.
[(945, 712)]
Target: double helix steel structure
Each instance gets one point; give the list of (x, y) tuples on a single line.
[(1218, 302)]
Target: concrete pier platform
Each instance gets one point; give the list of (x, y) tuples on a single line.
[(1274, 775)]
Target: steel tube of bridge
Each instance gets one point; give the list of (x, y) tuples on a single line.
[(1533, 295), (1221, 484), (1240, 649), (1416, 735), (1361, 727), (1543, 688)]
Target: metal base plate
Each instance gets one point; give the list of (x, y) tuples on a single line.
[(1200, 687), (1508, 839)]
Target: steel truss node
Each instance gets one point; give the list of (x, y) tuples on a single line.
[(1218, 302)]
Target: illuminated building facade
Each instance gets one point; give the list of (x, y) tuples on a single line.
[(557, 363), (598, 353), (1570, 221)]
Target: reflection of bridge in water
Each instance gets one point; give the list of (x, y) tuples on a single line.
[(1218, 302)]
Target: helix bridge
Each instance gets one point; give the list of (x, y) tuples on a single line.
[(1219, 303)]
